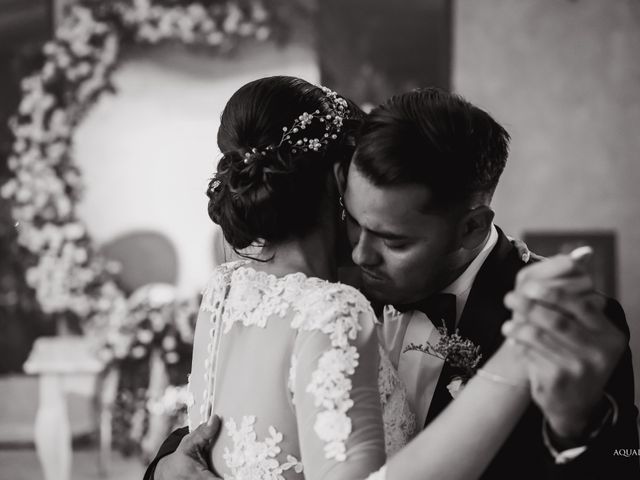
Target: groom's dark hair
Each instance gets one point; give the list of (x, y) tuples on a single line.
[(434, 138)]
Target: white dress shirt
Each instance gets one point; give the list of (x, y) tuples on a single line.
[(419, 371)]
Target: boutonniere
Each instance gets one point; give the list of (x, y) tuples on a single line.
[(459, 352)]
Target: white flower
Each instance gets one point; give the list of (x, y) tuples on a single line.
[(138, 351), (157, 321), (169, 343), (262, 33), (13, 160), (332, 426), (81, 48), (32, 276), (197, 12), (337, 361), (8, 189), (110, 50), (59, 123), (161, 294), (83, 68), (258, 13), (105, 354), (48, 71), (215, 38), (23, 195), (81, 255), (455, 386), (144, 335), (63, 60), (246, 29), (49, 48), (233, 19), (73, 231), (336, 450), (314, 144), (207, 25), (172, 357)]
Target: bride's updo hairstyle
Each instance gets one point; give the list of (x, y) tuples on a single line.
[(279, 139)]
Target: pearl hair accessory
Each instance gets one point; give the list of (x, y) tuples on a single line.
[(293, 135)]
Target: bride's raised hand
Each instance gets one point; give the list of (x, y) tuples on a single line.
[(570, 345)]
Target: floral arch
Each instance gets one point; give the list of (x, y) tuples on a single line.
[(62, 265), (149, 333)]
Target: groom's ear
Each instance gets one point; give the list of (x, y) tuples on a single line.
[(476, 225), (340, 173)]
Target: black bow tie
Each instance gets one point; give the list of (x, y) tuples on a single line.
[(439, 307)]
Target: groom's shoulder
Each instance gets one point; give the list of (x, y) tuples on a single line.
[(615, 313), (503, 263)]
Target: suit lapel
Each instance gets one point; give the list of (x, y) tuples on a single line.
[(483, 314)]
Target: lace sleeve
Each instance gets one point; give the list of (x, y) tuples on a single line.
[(335, 386)]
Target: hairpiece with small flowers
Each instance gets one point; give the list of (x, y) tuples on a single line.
[(294, 137)]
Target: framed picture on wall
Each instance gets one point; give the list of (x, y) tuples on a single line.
[(603, 266)]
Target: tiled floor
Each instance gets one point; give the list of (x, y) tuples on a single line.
[(22, 464)]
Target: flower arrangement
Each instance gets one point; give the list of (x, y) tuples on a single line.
[(153, 329), (461, 353), (62, 266), (137, 413), (152, 353), (174, 401), (157, 321)]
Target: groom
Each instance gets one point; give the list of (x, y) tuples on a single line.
[(417, 206), (417, 209)]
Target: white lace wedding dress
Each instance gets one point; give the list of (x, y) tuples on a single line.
[(293, 367)]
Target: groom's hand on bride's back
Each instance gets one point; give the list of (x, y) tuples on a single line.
[(189, 461)]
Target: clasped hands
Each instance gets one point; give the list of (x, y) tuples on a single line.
[(569, 346)]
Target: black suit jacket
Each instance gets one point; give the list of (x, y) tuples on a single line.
[(524, 455)]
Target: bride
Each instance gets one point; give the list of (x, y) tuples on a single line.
[(288, 357)]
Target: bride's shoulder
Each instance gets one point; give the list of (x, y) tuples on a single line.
[(219, 279), (225, 270), (338, 293), (326, 302)]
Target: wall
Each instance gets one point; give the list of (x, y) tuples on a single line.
[(564, 78), (147, 153)]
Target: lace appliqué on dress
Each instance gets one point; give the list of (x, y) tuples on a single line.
[(379, 475), (333, 309), (254, 460), (335, 312), (258, 295), (399, 421)]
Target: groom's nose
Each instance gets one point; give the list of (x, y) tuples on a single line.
[(364, 253)]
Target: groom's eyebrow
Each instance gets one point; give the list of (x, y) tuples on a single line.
[(387, 235)]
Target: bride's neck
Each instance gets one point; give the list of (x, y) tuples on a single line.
[(313, 255)]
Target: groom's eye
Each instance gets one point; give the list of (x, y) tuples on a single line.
[(396, 245)]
